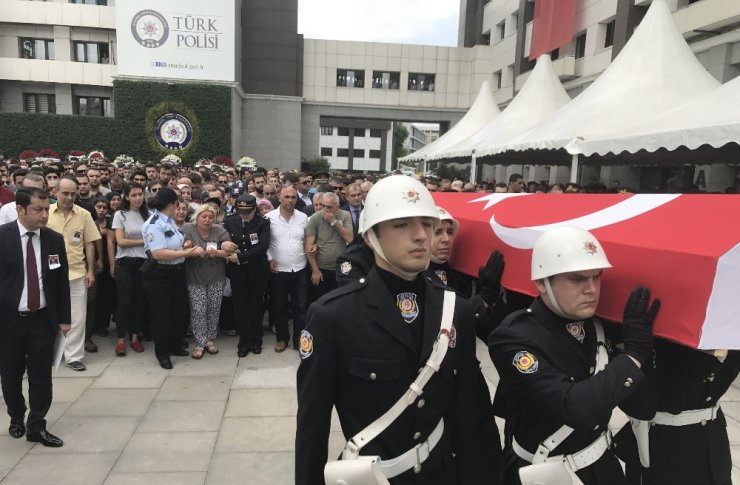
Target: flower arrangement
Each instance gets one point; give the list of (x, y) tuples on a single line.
[(48, 153), (203, 162), (223, 160), (248, 162), (26, 154), (173, 159), (124, 159), (95, 154)]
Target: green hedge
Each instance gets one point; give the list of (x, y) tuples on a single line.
[(126, 133)]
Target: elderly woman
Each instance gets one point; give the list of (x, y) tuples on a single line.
[(205, 277)]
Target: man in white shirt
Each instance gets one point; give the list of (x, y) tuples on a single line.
[(30, 181), (288, 265)]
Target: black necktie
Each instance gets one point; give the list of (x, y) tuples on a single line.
[(34, 294)]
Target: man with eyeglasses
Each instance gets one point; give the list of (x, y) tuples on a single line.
[(304, 183)]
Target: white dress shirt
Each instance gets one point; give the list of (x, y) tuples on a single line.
[(36, 242), (286, 241)]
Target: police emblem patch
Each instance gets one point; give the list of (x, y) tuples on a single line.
[(306, 344), (576, 329), (150, 237), (345, 267), (525, 362), (407, 305), (442, 274), (590, 247)]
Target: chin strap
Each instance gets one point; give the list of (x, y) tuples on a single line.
[(555, 306), (375, 246)]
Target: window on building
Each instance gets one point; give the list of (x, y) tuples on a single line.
[(39, 103), (37, 49), (609, 34), (500, 30), (92, 106), (93, 52), (514, 21), (326, 152), (343, 131), (374, 153), (581, 46), (386, 79), (89, 2), (360, 132), (555, 54), (327, 130), (350, 78), (376, 133), (358, 153), (343, 152), (497, 79), (421, 82)]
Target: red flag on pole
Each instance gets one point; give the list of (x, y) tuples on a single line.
[(554, 22)]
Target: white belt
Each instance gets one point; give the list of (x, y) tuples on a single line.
[(414, 457), (577, 461), (686, 418)]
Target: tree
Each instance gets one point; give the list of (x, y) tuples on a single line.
[(318, 165), (400, 133)]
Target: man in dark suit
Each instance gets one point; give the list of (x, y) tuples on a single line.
[(354, 206), (35, 307)]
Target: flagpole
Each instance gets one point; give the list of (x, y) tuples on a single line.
[(473, 168)]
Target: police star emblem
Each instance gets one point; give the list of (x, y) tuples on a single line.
[(576, 330), (345, 267), (410, 195), (590, 247), (525, 362), (305, 347), (407, 305)]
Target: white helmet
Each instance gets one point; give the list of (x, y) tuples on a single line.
[(446, 216), (396, 197), (565, 249)]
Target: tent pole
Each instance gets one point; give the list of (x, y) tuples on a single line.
[(574, 169), (473, 168)]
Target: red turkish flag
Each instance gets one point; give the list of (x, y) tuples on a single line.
[(554, 22), (684, 248)]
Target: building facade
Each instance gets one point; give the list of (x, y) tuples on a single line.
[(290, 98)]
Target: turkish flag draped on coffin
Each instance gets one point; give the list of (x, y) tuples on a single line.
[(684, 248), (554, 22)]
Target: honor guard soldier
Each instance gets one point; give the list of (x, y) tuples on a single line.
[(364, 351), (687, 440), (247, 270), (559, 374)]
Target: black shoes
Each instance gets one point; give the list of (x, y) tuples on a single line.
[(180, 353), (45, 438), (16, 428), (256, 348), (91, 346), (242, 351), (166, 363)]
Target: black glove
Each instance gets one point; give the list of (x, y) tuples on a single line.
[(638, 325), (489, 278)]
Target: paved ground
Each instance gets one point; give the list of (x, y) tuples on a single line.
[(220, 420)]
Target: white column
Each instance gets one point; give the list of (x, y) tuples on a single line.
[(574, 169)]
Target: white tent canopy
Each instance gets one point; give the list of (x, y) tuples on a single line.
[(711, 119), (656, 71), (541, 95), (483, 110)]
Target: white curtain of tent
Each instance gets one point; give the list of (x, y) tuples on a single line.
[(711, 119), (541, 95), (483, 110), (656, 71)]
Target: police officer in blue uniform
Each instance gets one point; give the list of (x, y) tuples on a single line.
[(164, 278), (561, 374), (365, 343), (247, 271)]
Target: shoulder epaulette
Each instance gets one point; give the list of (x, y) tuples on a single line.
[(344, 290), (154, 219)]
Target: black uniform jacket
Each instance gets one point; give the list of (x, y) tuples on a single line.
[(354, 263), (697, 454), (253, 239), (362, 359), (546, 382), (56, 281)]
